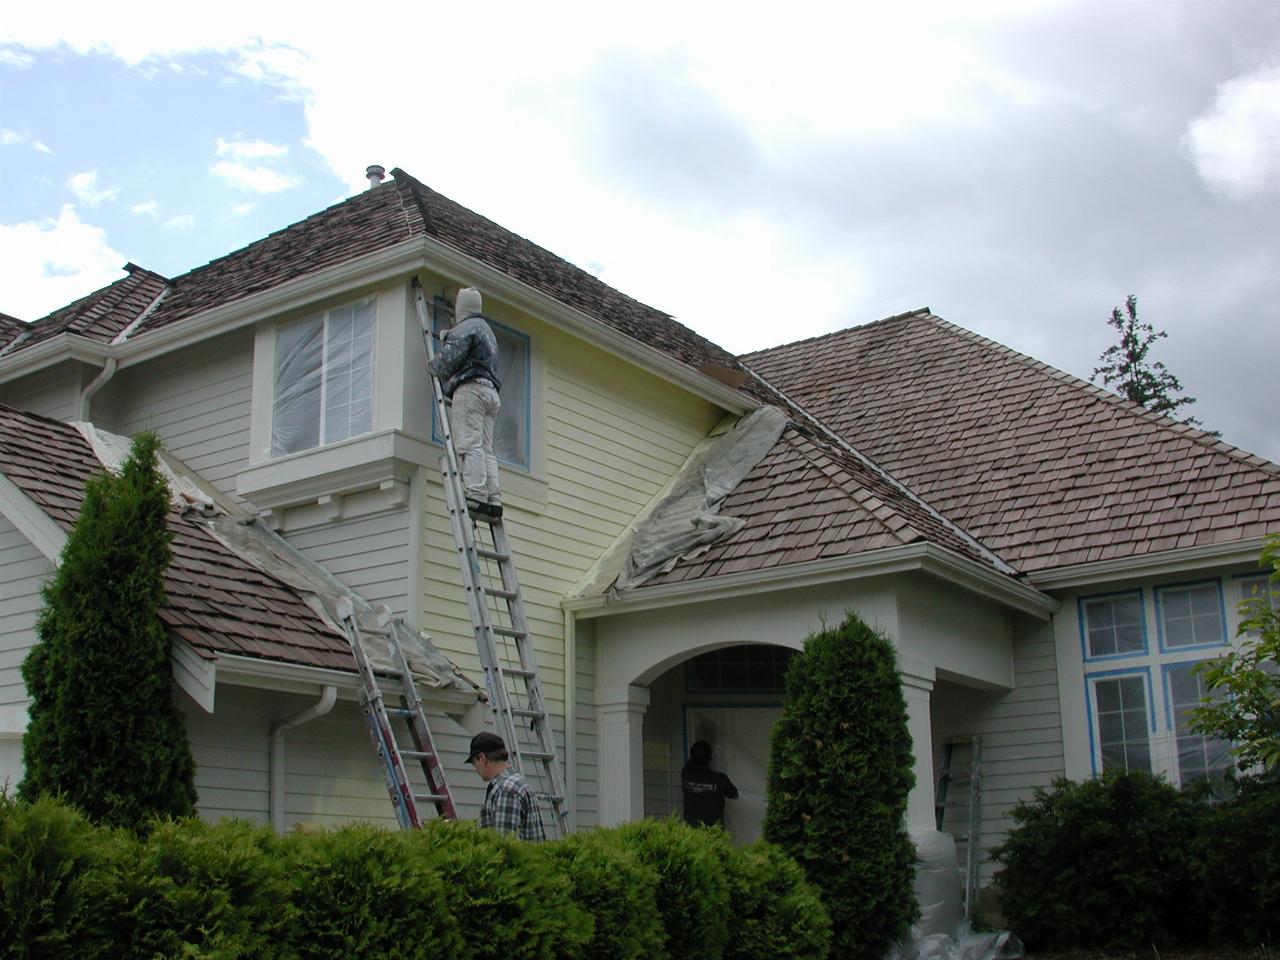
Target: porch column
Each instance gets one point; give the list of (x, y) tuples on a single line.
[(917, 687), (620, 715)]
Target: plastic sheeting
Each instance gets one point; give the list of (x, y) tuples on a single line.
[(687, 522), (941, 932)]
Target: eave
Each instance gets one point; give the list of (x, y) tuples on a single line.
[(1239, 552)]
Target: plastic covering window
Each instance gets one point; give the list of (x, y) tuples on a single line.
[(1123, 735), (511, 432), (1114, 625), (323, 379), (1199, 757), (1190, 616)]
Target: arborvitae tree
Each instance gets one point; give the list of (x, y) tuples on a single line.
[(1124, 366), (104, 731), (840, 769)]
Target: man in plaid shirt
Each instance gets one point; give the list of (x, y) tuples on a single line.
[(509, 804)]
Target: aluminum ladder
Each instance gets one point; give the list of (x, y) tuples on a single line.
[(972, 804), (496, 607), (408, 803)]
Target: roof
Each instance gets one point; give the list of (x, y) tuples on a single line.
[(216, 601), (391, 213), (1043, 468)]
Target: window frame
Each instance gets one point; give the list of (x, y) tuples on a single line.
[(1083, 619), (1162, 589), (1166, 676), (1094, 725), (325, 318)]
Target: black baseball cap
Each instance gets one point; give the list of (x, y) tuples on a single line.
[(485, 743)]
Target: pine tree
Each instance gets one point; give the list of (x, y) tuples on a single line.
[(840, 769), (104, 730), (1125, 366)]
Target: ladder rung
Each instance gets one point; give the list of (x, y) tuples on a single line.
[(517, 672), (531, 714), (491, 554), (536, 754), (416, 754), (430, 797), (400, 712), (504, 594), (510, 632)]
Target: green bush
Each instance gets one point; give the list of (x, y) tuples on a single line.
[(1105, 864), (776, 912), (693, 892), (614, 887), (1239, 863), (840, 769), (510, 901), (49, 855), (362, 891)]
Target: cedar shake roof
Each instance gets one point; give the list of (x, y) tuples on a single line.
[(1045, 469), (372, 220), (216, 601), (810, 500), (10, 329)]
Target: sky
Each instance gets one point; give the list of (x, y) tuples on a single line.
[(763, 172)]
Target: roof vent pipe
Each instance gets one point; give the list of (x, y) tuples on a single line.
[(375, 172)]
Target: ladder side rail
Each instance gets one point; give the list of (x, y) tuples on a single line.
[(974, 853), (398, 786), (420, 732)]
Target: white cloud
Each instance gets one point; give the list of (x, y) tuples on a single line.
[(51, 262), (1235, 145), (151, 208), (244, 209), (9, 138), (185, 221), (258, 179), (250, 149), (16, 58), (85, 186)]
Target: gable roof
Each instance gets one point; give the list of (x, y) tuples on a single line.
[(375, 219), (1045, 469), (216, 601)]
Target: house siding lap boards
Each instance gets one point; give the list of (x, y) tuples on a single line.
[(50, 393), (23, 570)]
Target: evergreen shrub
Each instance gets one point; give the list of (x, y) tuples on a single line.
[(1103, 864), (104, 730), (1239, 863), (507, 897), (693, 891), (775, 912), (614, 887), (840, 769), (362, 891)]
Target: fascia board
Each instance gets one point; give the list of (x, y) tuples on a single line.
[(925, 557), (193, 673), (31, 521), (465, 268), (1150, 565), (51, 352)]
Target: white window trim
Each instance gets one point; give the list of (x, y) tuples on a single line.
[(1091, 703), (1164, 588)]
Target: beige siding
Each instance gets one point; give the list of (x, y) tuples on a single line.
[(23, 569), (1020, 729), (370, 554), (51, 393)]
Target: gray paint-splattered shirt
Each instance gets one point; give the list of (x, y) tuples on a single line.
[(469, 352)]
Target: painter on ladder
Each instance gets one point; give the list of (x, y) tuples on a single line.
[(467, 365), (509, 803)]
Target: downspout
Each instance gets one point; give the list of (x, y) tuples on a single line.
[(328, 696), (571, 716), (100, 381)]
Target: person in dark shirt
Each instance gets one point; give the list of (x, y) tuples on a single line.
[(705, 790)]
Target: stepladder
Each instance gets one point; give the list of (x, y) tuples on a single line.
[(958, 808), (499, 621), (412, 768)]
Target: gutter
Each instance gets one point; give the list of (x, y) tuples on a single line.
[(924, 557), (328, 696), (1153, 564), (100, 381)]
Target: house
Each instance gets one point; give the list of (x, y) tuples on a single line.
[(1048, 559)]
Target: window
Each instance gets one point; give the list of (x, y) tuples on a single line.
[(1198, 757), (754, 668), (511, 433), (1190, 616), (1120, 706), (323, 379), (1113, 625)]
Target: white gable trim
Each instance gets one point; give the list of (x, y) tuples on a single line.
[(32, 522)]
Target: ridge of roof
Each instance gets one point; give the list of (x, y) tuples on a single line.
[(102, 314), (906, 315), (1202, 437)]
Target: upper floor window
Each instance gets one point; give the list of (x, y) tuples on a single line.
[(1113, 625), (1190, 615), (323, 378), (511, 432)]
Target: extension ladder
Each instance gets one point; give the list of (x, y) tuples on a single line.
[(379, 716), (972, 838), (498, 620)]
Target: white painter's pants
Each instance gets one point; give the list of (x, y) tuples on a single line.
[(475, 411)]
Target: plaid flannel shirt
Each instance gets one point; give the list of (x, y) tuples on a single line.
[(511, 807)]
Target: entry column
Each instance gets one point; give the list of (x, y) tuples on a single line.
[(917, 687), (620, 716)]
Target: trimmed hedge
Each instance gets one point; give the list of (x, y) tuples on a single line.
[(1127, 861), (646, 891)]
